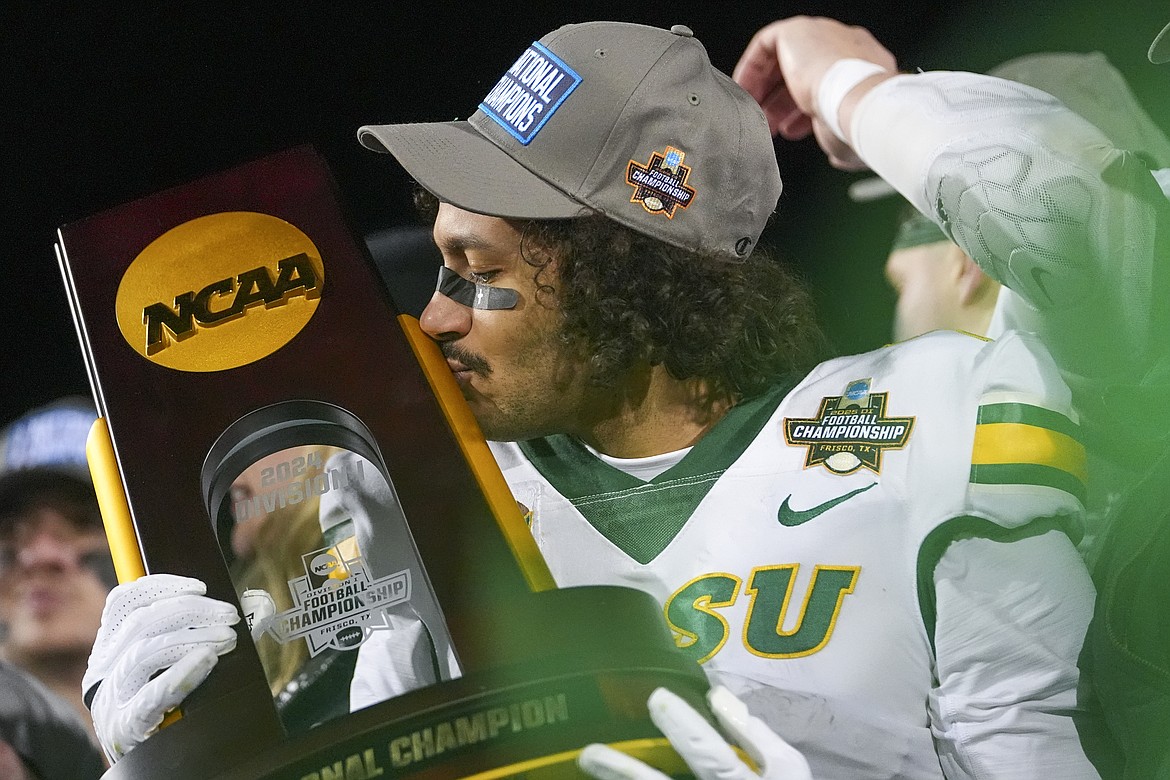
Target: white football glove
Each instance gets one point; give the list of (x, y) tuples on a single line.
[(156, 623), (707, 753), (259, 609)]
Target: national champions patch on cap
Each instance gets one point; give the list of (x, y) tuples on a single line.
[(530, 92)]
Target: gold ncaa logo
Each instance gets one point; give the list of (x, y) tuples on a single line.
[(220, 291)]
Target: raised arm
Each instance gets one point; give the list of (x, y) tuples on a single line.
[(1033, 193)]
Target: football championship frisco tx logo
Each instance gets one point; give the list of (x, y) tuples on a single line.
[(850, 431), (661, 184), (336, 604)]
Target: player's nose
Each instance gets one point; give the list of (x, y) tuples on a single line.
[(445, 320), (45, 550)]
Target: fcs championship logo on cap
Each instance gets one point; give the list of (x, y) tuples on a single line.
[(850, 431), (661, 184), (220, 291)]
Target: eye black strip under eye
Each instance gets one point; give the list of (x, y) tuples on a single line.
[(477, 296)]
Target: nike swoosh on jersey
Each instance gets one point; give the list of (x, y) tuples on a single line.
[(793, 517), (1037, 274)]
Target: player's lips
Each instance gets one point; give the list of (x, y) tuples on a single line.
[(461, 371), (44, 601), (464, 364)]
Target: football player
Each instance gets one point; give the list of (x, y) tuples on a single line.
[(873, 555)]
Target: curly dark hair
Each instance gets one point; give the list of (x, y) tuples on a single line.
[(740, 324)]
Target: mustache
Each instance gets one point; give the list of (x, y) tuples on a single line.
[(470, 360)]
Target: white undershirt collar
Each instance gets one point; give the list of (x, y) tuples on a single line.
[(644, 469)]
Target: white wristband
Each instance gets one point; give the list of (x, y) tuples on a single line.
[(841, 77)]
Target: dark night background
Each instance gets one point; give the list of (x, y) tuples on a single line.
[(103, 103)]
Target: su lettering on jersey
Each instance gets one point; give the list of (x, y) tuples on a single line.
[(701, 630)]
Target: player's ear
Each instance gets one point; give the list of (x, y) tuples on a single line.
[(974, 286)]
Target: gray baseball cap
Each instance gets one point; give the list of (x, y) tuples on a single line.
[(629, 121)]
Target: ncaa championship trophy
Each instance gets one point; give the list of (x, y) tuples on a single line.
[(269, 425)]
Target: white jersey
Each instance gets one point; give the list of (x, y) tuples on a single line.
[(794, 551)]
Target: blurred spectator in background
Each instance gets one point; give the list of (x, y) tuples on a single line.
[(41, 736), (55, 565)]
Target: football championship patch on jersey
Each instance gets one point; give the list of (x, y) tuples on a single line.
[(850, 431), (661, 184)]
